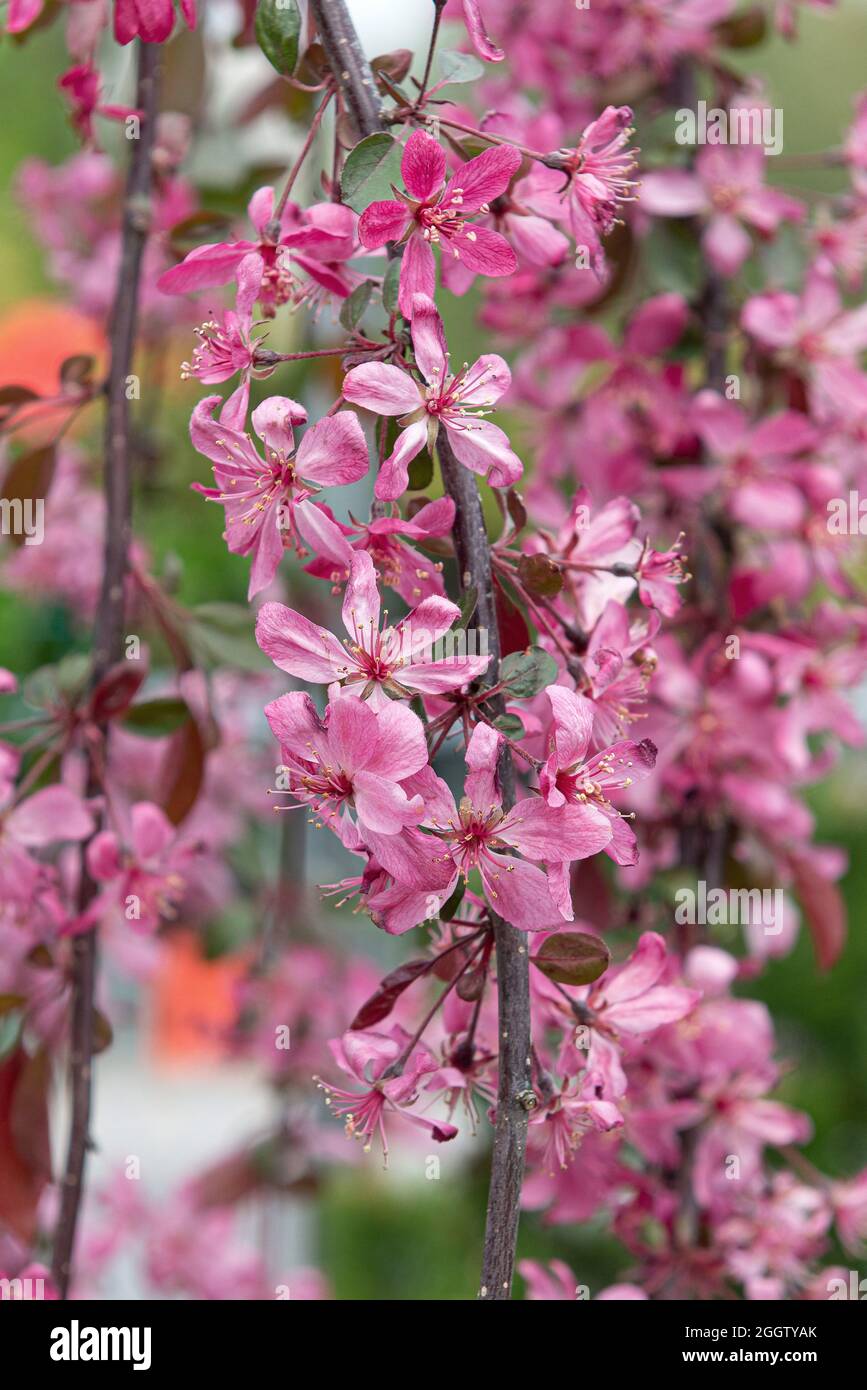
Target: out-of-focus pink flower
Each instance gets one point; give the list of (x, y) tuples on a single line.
[(147, 874), (49, 817), (81, 85), (152, 21), (458, 403), (726, 189), (635, 999), (660, 574), (816, 334), (431, 214)]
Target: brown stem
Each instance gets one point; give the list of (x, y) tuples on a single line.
[(108, 638), (349, 66), (515, 1093)]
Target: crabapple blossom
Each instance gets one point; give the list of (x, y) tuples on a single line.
[(456, 402)]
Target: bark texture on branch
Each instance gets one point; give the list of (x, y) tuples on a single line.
[(349, 66), (515, 1094), (108, 636)]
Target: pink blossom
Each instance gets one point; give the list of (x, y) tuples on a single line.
[(82, 86), (226, 345), (395, 661), (152, 21), (815, 333), (457, 403), (727, 189), (320, 240), (435, 213), (568, 777), (350, 761), (635, 998), (53, 816), (147, 873), (660, 574), (401, 566), (479, 37), (589, 184), (478, 835), (267, 498), (391, 1072)]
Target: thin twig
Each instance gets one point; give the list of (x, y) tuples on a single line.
[(108, 638)]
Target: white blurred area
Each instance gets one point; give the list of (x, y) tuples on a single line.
[(223, 150)]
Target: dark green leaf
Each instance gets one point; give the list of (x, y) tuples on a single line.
[(353, 309), (526, 673), (156, 718), (370, 170), (391, 286), (278, 27), (420, 472), (572, 958), (510, 725), (451, 905)]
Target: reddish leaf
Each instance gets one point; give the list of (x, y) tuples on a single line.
[(470, 985), (389, 990), (77, 370), (514, 633), (824, 909), (116, 690), (29, 479), (183, 772), (540, 575), (25, 1154), (572, 958)]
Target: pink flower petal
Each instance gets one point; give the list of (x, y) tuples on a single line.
[(423, 165), (417, 274), (384, 389), (334, 451), (382, 222), (298, 646), (485, 450), (483, 178), (393, 476)]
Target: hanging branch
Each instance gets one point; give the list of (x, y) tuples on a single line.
[(353, 75), (108, 637), (515, 1095)]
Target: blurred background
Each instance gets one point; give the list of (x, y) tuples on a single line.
[(165, 1092)]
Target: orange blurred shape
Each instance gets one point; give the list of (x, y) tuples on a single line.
[(194, 1002), (36, 338)]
